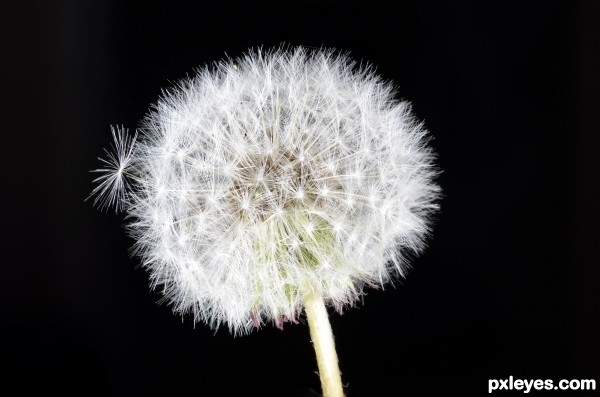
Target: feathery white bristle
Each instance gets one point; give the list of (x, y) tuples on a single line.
[(276, 171), (112, 185)]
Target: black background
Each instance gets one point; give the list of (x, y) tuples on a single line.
[(508, 285)]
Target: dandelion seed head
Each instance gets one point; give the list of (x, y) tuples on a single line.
[(278, 171)]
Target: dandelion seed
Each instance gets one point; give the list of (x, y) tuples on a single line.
[(112, 185)]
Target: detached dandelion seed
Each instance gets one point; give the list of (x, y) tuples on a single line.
[(111, 188), (281, 181)]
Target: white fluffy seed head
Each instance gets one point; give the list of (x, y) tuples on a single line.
[(261, 177)]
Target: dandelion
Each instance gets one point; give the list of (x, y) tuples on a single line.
[(281, 181)]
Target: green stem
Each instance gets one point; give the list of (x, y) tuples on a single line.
[(322, 338)]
